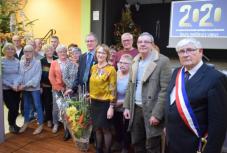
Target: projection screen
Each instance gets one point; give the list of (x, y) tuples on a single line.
[(205, 20)]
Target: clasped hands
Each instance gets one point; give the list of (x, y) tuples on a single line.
[(18, 88)]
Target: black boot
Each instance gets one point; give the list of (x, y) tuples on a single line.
[(13, 129), (67, 135)]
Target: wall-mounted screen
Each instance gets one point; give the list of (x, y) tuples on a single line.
[(205, 20)]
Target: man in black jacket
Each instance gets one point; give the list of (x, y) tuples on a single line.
[(16, 39), (196, 108), (86, 61), (19, 48)]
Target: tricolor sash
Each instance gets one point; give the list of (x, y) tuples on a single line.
[(184, 107)]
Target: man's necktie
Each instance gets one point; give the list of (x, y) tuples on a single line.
[(87, 69), (186, 76)]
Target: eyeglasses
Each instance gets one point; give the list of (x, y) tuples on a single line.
[(145, 42), (187, 50), (126, 40), (10, 49), (103, 53), (87, 41), (123, 63), (28, 51)]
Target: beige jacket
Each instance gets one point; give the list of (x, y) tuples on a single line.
[(155, 81)]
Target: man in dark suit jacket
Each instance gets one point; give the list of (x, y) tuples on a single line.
[(19, 53), (203, 95), (86, 61), (19, 48)]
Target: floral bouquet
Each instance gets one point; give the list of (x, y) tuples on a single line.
[(79, 121)]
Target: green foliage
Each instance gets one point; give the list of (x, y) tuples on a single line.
[(7, 7), (13, 10)]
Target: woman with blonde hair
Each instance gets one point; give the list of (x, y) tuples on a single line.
[(11, 96), (45, 82)]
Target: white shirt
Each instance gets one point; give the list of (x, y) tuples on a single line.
[(192, 73), (143, 64), (62, 64), (18, 51)]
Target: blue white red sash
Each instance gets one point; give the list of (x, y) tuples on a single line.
[(186, 112), (183, 104)]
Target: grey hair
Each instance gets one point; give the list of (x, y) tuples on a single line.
[(76, 49), (46, 47), (92, 34), (61, 47), (28, 48), (147, 34), (128, 57), (187, 41), (127, 34)]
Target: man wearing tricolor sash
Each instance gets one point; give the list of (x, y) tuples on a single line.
[(196, 108), (146, 94)]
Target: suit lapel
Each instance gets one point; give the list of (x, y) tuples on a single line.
[(197, 77), (21, 53), (173, 80), (134, 69), (151, 66), (84, 58), (148, 70), (192, 81)]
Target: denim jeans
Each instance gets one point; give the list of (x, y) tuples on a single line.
[(29, 98)]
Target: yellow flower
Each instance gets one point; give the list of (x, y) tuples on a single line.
[(71, 112)]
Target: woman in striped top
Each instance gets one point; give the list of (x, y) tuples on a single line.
[(11, 96)]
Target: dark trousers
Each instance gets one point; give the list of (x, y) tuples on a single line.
[(120, 127), (21, 104), (47, 102), (12, 100), (141, 143)]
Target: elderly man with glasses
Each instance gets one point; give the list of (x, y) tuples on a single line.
[(196, 103)]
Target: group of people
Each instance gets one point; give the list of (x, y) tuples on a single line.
[(133, 91), (32, 75)]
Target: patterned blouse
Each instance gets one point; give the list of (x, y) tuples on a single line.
[(103, 83), (69, 74)]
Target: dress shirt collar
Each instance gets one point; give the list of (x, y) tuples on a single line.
[(91, 52), (194, 69)]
